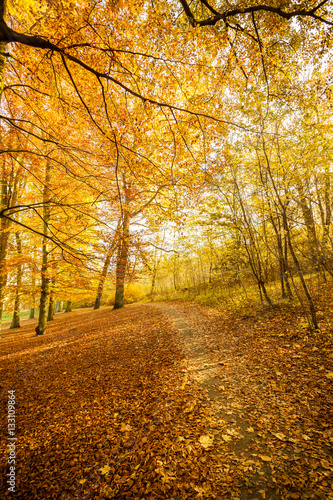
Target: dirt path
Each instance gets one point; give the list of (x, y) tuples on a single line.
[(279, 429), (163, 401), (208, 368)]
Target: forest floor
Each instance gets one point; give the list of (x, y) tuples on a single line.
[(169, 401)]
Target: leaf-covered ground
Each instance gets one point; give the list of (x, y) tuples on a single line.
[(169, 401)]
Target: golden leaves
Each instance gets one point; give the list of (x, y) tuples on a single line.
[(125, 428), (265, 458), (105, 470), (206, 441)]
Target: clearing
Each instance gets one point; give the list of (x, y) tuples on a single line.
[(168, 401)]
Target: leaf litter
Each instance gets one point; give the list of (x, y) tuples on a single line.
[(128, 404)]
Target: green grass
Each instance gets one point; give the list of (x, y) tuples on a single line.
[(23, 314)]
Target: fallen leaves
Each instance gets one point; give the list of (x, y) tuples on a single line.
[(265, 458), (105, 470), (280, 436), (125, 427), (102, 419), (206, 441), (226, 437)]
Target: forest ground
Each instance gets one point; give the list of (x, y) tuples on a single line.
[(169, 401)]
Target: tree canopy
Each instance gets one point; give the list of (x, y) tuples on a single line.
[(120, 119)]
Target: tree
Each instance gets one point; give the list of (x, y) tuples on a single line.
[(139, 107)]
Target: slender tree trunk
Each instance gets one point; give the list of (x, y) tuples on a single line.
[(122, 262), (43, 306), (328, 206), (44, 297), (310, 225), (50, 313), (280, 256), (33, 283), (4, 236), (3, 51), (105, 271), (264, 291), (301, 276), (16, 313), (153, 281), (253, 250), (8, 197), (175, 273)]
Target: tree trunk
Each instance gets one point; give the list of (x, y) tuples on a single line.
[(152, 288), (252, 248), (43, 306), (300, 274), (16, 313), (4, 236), (286, 268), (105, 271), (68, 306), (122, 262), (310, 225), (328, 215), (3, 51), (50, 313), (264, 291), (8, 197), (33, 282), (58, 307)]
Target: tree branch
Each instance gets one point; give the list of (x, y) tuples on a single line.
[(211, 21)]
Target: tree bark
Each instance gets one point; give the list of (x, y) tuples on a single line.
[(16, 314), (8, 197), (310, 225), (33, 283), (301, 276), (3, 51), (68, 306), (104, 272), (50, 313), (43, 306), (123, 248)]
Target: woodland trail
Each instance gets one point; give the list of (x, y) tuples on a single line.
[(166, 401)]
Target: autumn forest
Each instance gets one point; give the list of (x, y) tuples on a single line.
[(171, 160)]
